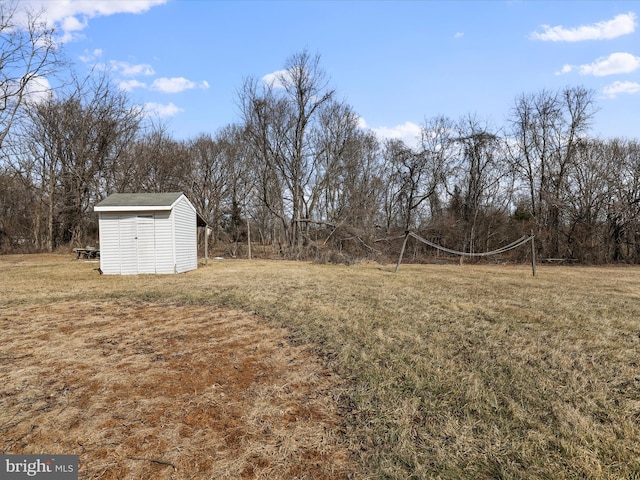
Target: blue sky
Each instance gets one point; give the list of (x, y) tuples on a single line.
[(396, 63)]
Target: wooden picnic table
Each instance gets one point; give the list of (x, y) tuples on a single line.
[(87, 252)]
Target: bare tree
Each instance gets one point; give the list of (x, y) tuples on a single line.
[(545, 130), (417, 175), (162, 163), (480, 175), (221, 182), (623, 208), (279, 118), (208, 179), (72, 143), (587, 199), (16, 216), (438, 140), (28, 55), (348, 180), (261, 113)]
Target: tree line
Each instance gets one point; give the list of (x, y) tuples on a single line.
[(297, 177)]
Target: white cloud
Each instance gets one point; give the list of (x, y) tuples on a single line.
[(615, 63), (176, 85), (91, 57), (73, 24), (38, 90), (275, 79), (131, 70), (130, 85), (159, 110), (58, 10), (565, 69), (458, 35), (617, 88), (72, 16), (408, 132), (622, 24)]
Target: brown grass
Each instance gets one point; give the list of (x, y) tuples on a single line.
[(451, 371), (151, 390)]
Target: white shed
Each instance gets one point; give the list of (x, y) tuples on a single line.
[(147, 233)]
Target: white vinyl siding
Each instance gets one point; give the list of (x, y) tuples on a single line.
[(127, 252), (146, 244), (165, 261), (109, 243), (186, 242), (130, 244)]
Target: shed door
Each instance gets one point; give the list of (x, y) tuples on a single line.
[(137, 244), (146, 244), (128, 250)]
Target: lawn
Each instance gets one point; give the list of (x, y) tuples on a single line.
[(273, 369)]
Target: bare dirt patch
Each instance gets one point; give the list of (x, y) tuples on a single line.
[(167, 392)]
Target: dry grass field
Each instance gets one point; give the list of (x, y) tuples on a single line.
[(267, 369)]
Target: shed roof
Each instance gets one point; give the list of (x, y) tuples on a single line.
[(143, 201), (160, 200)]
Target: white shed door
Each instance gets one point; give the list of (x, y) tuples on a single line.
[(128, 250), (137, 244), (146, 244)]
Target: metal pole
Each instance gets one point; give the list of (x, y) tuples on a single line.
[(404, 244), (533, 254)]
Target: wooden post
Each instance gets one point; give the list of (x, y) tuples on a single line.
[(248, 239), (404, 245), (206, 244), (533, 254)]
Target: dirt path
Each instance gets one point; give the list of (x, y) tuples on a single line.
[(144, 391)]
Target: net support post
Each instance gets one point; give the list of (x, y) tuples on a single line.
[(404, 245), (533, 254)]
